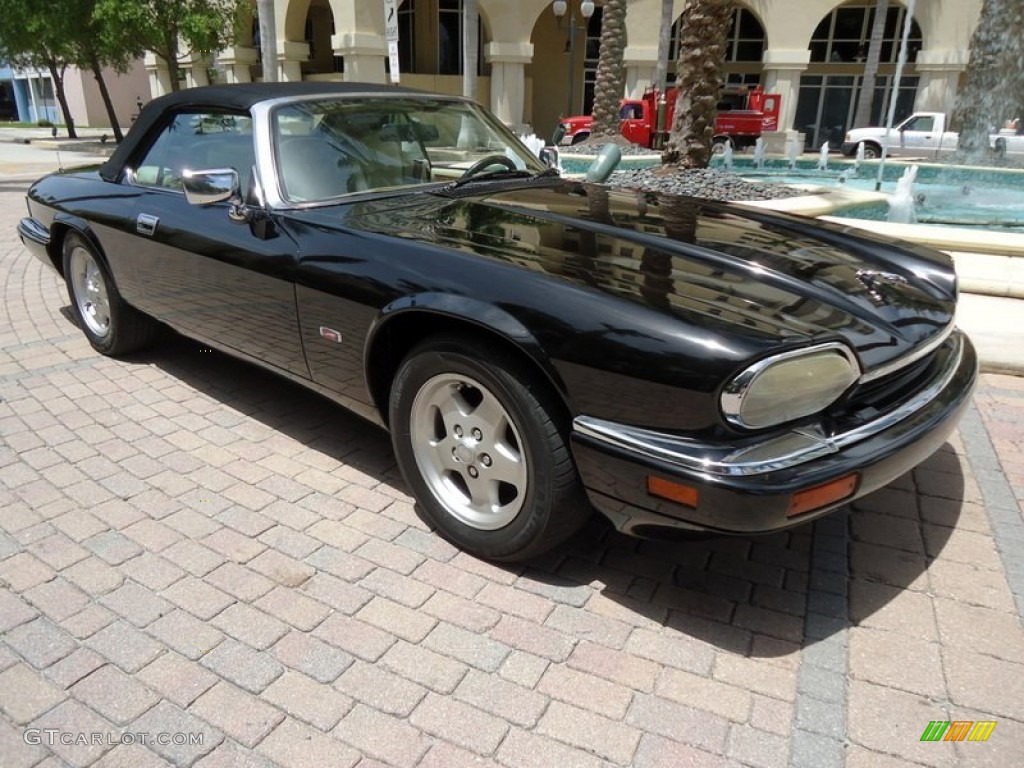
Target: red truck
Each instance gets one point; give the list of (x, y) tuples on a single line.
[(742, 117)]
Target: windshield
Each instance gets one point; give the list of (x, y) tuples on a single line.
[(340, 146)]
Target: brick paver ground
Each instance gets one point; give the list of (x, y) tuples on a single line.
[(191, 546)]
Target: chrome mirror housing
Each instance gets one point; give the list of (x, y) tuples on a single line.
[(215, 185)]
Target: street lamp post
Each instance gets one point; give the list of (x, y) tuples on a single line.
[(559, 7)]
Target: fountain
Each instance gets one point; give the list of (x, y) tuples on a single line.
[(727, 156), (823, 157), (901, 61), (792, 152), (901, 201), (859, 157), (759, 153), (533, 142)]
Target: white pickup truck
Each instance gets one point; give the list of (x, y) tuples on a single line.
[(924, 133)]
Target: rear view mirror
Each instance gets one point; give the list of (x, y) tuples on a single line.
[(215, 185), (207, 187), (408, 132), (549, 156)]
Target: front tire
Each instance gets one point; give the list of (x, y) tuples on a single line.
[(872, 151), (110, 324), (483, 446)]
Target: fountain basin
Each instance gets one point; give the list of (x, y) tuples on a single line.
[(947, 195)]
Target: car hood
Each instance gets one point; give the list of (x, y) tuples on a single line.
[(720, 266)]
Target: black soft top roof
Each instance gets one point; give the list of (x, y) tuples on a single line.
[(239, 97)]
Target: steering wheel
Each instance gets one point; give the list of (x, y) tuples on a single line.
[(486, 162)]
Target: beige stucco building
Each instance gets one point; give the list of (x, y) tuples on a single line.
[(534, 66)]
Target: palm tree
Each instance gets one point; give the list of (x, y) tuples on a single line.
[(703, 34), (610, 80), (867, 84), (268, 39), (994, 78)]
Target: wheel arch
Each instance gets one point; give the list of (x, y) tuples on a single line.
[(874, 144), (409, 320), (62, 225)]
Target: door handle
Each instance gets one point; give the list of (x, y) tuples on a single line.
[(145, 224)]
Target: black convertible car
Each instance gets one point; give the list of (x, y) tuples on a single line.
[(536, 346)]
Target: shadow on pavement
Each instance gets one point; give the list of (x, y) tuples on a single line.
[(745, 594)]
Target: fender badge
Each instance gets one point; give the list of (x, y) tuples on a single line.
[(330, 334)]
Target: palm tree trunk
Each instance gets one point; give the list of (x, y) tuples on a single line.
[(97, 72), (705, 27), (268, 40), (610, 80), (867, 84), (470, 46), (664, 41)]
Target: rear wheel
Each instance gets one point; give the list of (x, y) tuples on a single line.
[(110, 324), (482, 444)]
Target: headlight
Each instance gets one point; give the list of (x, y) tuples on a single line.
[(789, 386), (847, 139)]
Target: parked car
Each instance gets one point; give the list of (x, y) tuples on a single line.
[(924, 133), (536, 346)]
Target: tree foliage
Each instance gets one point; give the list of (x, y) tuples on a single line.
[(175, 28), (36, 35), (702, 45)]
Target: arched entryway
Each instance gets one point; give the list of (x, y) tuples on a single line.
[(833, 84)]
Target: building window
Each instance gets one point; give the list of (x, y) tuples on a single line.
[(827, 104), (449, 37), (407, 36), (844, 35), (591, 55)]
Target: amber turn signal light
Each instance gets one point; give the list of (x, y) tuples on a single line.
[(822, 495), (677, 492)]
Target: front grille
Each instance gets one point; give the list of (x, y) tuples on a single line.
[(870, 399)]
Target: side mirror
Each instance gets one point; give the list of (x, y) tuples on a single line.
[(549, 156), (215, 185)]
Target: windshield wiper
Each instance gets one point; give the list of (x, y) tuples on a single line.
[(504, 173)]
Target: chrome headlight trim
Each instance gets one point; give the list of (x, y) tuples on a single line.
[(736, 391), (780, 452)]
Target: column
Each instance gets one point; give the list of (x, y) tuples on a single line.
[(782, 70), (236, 62), (641, 64), (508, 81), (940, 72), (364, 53), (159, 75), (290, 56), (195, 67)]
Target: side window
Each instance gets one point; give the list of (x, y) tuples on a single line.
[(195, 141), (922, 123)]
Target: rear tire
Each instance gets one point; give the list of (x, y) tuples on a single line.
[(109, 323), (483, 445)]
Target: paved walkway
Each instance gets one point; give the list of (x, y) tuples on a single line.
[(202, 557)]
